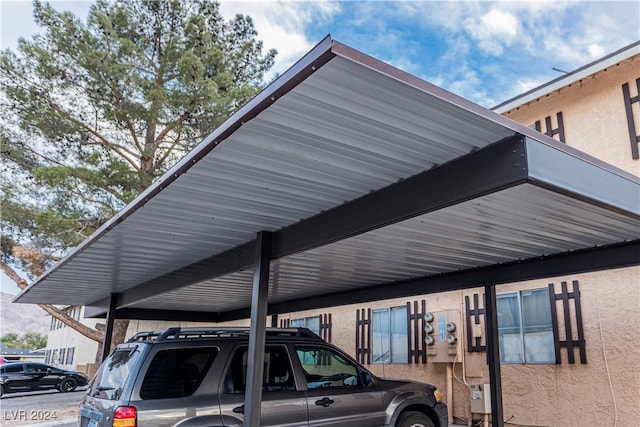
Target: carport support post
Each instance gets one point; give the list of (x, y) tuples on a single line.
[(493, 355), (255, 364), (108, 327)]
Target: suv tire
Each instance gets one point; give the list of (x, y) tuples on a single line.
[(68, 384), (414, 419)]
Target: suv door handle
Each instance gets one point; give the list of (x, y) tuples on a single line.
[(239, 409), (324, 402)]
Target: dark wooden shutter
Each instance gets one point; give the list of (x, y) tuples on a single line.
[(474, 345), (415, 333), (363, 336), (634, 138), (285, 323), (325, 327), (569, 323), (549, 131)]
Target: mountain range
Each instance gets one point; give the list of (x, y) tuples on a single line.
[(21, 318)]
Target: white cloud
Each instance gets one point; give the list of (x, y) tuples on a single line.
[(281, 25), (526, 85), (595, 51), (468, 84), (493, 30), (478, 49)]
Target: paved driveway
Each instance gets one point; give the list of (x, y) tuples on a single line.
[(46, 408)]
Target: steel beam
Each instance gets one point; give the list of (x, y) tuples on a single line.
[(593, 259), (108, 327), (255, 367), (493, 356)]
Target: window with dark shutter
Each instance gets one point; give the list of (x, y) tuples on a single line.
[(549, 130), (319, 325), (573, 330), (629, 106)]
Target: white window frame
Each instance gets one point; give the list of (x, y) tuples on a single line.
[(543, 340), (384, 348), (306, 322)]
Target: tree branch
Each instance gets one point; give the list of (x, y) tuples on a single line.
[(88, 332), (105, 142), (168, 128), (13, 275)]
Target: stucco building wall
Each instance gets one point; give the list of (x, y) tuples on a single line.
[(593, 112), (537, 394)]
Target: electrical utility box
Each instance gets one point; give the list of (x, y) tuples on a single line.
[(443, 336), (480, 399)]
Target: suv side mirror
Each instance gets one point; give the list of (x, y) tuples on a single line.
[(367, 378)]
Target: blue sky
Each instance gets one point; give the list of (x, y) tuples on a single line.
[(484, 51)]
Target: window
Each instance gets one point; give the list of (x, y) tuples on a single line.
[(32, 367), (312, 323), (323, 368), (277, 373), (524, 327), (70, 352), (112, 375), (12, 368), (390, 338), (176, 372)]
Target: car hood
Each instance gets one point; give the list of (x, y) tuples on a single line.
[(391, 383)]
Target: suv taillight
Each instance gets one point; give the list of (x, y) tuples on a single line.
[(125, 416)]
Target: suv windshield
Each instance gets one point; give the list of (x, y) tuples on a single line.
[(113, 374)]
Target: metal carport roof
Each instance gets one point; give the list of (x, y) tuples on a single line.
[(372, 183)]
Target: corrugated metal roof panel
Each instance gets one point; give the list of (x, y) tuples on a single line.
[(517, 223)]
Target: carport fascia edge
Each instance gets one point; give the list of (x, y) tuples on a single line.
[(557, 168)]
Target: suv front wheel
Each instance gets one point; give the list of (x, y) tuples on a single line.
[(414, 419)]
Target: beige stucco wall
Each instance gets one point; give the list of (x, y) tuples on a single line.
[(562, 395), (593, 112), (568, 395)]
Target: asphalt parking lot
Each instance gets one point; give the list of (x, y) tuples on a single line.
[(42, 408)]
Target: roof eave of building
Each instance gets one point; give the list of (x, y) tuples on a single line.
[(616, 57)]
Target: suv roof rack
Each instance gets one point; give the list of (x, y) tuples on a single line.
[(222, 332)]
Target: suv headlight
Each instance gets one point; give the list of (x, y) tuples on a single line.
[(438, 395)]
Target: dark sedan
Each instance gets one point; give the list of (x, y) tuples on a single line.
[(30, 376)]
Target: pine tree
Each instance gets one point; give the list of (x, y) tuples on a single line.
[(93, 111)]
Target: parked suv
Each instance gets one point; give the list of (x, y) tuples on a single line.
[(32, 376), (198, 376)]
